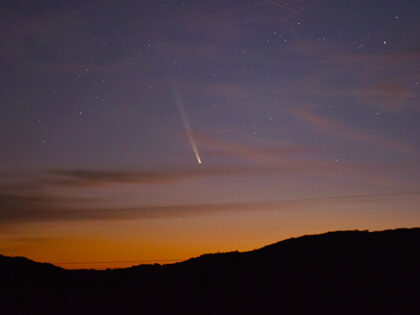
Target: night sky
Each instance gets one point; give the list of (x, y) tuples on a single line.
[(152, 131)]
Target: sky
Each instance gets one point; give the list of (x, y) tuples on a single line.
[(154, 131)]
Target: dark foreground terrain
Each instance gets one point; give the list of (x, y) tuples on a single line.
[(351, 272)]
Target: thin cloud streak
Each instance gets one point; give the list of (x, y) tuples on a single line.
[(80, 178), (338, 129), (41, 200), (267, 154), (47, 211)]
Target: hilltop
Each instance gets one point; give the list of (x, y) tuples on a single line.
[(344, 272)]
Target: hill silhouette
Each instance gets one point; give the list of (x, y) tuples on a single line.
[(345, 272)]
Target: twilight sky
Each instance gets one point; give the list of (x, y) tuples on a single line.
[(305, 116)]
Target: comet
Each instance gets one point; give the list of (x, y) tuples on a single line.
[(185, 121)]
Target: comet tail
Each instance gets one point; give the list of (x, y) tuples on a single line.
[(185, 121)]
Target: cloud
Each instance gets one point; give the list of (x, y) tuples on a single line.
[(348, 73), (67, 194), (53, 196), (34, 206), (45, 209), (266, 154), (340, 53), (341, 130), (19, 208), (100, 178), (82, 177), (391, 95)]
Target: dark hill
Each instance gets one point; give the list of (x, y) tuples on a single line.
[(350, 272)]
